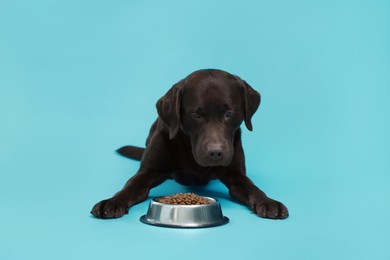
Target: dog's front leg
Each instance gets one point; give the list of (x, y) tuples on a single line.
[(136, 190), (242, 189)]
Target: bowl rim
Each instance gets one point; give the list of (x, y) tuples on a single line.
[(213, 201)]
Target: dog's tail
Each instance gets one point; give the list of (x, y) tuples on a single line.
[(132, 152)]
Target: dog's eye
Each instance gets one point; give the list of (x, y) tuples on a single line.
[(195, 115), (230, 114)]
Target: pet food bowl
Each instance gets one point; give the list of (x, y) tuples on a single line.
[(184, 216)]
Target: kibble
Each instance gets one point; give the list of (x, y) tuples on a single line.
[(184, 199)]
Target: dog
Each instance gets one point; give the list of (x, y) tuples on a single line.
[(196, 138)]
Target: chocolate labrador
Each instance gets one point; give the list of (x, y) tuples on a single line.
[(195, 139)]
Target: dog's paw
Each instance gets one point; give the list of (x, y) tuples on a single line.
[(269, 208), (110, 208)]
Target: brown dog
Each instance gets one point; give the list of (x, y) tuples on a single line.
[(196, 138)]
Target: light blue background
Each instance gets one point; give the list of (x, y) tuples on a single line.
[(79, 79)]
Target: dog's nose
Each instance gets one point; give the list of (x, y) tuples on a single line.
[(215, 152)]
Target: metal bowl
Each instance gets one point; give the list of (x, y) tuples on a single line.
[(185, 216)]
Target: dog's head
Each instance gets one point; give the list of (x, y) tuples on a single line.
[(209, 106)]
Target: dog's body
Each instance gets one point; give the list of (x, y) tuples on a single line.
[(196, 138)]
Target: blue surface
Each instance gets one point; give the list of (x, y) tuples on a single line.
[(79, 79)]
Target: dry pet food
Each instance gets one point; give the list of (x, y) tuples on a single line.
[(184, 199)]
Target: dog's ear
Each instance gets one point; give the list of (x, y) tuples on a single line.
[(168, 108), (251, 102)]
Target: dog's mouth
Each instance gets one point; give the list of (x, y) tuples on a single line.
[(206, 161), (211, 164)]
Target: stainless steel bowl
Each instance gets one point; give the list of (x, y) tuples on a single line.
[(185, 216)]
